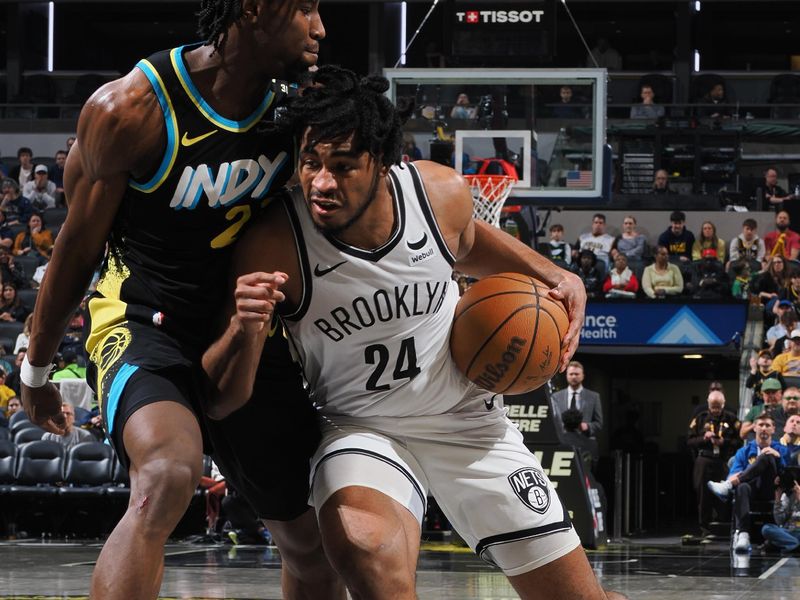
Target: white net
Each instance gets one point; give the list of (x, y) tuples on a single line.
[(489, 193)]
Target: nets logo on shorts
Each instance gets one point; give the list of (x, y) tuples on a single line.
[(530, 485)]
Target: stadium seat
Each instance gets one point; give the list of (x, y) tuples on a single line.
[(8, 344), (28, 297), (28, 264), (16, 418), (8, 463), (120, 483), (39, 466), (29, 434), (55, 217), (10, 329), (18, 424), (89, 468), (5, 434)]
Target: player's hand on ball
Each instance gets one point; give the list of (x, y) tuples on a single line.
[(572, 292), (256, 295)]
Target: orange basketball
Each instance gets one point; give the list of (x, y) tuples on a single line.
[(507, 333)]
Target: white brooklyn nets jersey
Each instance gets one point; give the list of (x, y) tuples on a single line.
[(373, 326)]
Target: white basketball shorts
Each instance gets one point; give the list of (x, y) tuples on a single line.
[(488, 484)]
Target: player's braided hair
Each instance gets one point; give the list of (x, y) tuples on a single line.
[(214, 19), (338, 103)]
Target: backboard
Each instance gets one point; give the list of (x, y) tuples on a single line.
[(549, 124)]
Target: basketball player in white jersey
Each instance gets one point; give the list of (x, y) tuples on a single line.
[(358, 262)]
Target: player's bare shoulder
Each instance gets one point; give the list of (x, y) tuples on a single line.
[(121, 127), (450, 199)]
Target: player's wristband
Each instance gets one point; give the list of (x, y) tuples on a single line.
[(34, 377)]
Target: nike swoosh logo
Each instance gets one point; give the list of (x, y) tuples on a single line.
[(187, 141), (320, 272), (273, 330), (419, 244)]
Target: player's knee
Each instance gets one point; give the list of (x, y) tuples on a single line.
[(363, 555), (160, 492)]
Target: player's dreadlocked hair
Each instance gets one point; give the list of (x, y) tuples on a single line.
[(338, 103), (214, 18)]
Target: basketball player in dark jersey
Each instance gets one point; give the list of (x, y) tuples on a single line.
[(171, 162)]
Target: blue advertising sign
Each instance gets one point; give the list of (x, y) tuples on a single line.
[(644, 324)]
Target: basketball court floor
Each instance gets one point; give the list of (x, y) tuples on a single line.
[(657, 569)]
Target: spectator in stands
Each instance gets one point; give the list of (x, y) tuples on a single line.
[(71, 369), (462, 108), (783, 240), (12, 380), (10, 271), (648, 109), (740, 287), (791, 437), (784, 534), (410, 148), (6, 393), (11, 308), (747, 246), (41, 191), (587, 447), (788, 363), (718, 103), (752, 476), (771, 393), (713, 437), (16, 206), (70, 140), (13, 407), (708, 240), (559, 251), (56, 175), (761, 369), (6, 235), (72, 435), (604, 56), (709, 280), (631, 243), (677, 239), (775, 195), (586, 269), (24, 337), (661, 183), (621, 282), (770, 283), (781, 345), (662, 278), (790, 400), (36, 240), (787, 322), (566, 107), (598, 241), (23, 172)]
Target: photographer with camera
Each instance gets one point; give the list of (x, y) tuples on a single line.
[(784, 534)]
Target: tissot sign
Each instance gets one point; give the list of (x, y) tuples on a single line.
[(475, 17), (511, 34)]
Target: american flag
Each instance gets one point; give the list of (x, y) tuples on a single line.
[(579, 179)]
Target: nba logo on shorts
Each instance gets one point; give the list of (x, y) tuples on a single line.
[(530, 485)]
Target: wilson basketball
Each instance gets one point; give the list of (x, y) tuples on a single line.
[(507, 333)]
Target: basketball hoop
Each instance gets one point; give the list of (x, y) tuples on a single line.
[(489, 193)]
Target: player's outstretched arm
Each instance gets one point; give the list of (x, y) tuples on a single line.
[(115, 128), (483, 250), (265, 271)]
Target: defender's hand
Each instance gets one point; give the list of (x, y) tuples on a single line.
[(572, 293), (256, 295), (43, 406)]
